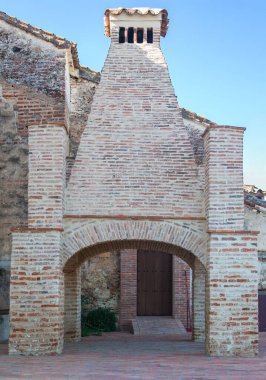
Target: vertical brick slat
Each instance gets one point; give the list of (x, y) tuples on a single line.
[(73, 305), (128, 288), (198, 302), (180, 299)]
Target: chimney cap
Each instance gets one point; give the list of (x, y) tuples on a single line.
[(139, 11)]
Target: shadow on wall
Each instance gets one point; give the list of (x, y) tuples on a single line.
[(4, 304), (100, 281), (4, 289)]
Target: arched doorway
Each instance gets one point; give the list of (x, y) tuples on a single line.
[(128, 306), (55, 258), (139, 283)]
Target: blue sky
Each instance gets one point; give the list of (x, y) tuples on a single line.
[(215, 49)]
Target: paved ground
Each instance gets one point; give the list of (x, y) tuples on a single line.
[(122, 356)]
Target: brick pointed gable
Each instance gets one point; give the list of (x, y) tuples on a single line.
[(135, 150)]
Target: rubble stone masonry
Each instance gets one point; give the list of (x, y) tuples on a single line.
[(13, 190)]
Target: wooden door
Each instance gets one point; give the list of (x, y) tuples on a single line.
[(154, 283)]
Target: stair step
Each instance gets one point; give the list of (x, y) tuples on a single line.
[(147, 326)]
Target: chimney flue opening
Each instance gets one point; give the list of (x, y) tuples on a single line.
[(122, 35)]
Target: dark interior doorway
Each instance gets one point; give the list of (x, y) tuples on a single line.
[(154, 283), (262, 311)]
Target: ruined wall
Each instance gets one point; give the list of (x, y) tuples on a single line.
[(82, 90), (32, 75), (32, 78), (100, 281), (13, 190), (257, 222), (29, 61)]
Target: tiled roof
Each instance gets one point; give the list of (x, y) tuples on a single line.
[(140, 11), (58, 41)]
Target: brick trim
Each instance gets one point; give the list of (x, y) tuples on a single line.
[(215, 126), (233, 232), (138, 217), (179, 238), (62, 125), (35, 230)]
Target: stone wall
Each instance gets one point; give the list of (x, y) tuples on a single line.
[(34, 81), (32, 75), (31, 62), (82, 91), (257, 222), (13, 190), (100, 281)]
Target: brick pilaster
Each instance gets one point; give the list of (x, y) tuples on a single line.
[(232, 295), (47, 168), (128, 288), (181, 290), (36, 294), (224, 199), (73, 305), (198, 304)]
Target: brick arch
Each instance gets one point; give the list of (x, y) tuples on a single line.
[(84, 239)]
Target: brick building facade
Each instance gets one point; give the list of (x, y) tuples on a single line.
[(137, 176)]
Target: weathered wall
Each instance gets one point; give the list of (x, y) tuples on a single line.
[(31, 62), (100, 281), (195, 131), (33, 76), (32, 79), (82, 91), (257, 222), (13, 190)]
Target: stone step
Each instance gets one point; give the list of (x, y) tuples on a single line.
[(147, 326)]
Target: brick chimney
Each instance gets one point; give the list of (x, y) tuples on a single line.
[(135, 157), (136, 25)]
